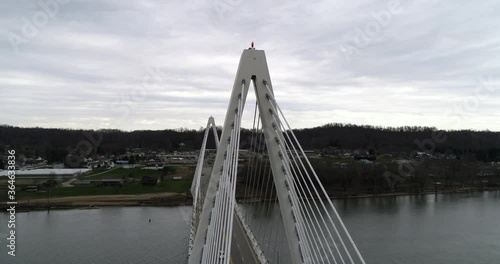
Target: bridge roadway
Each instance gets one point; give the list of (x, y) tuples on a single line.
[(241, 249)]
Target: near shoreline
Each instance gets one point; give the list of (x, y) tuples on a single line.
[(171, 199), (93, 201)]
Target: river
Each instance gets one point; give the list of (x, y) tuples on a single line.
[(444, 228)]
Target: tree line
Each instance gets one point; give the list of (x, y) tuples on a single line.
[(54, 144)]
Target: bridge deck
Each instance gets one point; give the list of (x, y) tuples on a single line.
[(241, 249)]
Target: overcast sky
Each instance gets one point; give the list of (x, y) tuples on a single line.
[(83, 64)]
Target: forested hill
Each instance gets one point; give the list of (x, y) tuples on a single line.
[(396, 139), (54, 144)]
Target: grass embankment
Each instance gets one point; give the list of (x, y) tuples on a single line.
[(172, 186)]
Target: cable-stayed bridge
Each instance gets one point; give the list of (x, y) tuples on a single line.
[(280, 186)]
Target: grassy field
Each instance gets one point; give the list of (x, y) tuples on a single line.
[(167, 185), (119, 173)]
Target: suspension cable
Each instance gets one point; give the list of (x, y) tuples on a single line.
[(273, 101)]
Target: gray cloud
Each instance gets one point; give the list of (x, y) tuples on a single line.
[(85, 67)]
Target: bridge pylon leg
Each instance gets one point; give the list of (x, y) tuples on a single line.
[(252, 69)]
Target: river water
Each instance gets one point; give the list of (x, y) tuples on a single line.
[(444, 228)]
